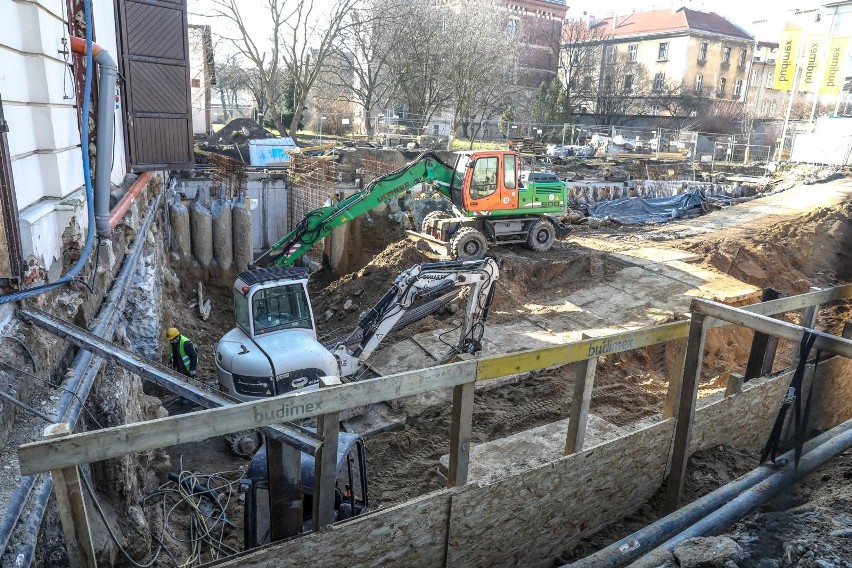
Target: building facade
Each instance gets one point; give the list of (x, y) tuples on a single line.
[(665, 61)]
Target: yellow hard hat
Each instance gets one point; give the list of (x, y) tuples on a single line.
[(171, 333)]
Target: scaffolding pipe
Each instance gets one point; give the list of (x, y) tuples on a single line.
[(646, 539), (737, 508), (83, 369)]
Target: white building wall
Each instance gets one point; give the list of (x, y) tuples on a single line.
[(44, 139), (198, 75)]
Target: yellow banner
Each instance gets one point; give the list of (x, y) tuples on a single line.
[(832, 80), (785, 65), (814, 64)]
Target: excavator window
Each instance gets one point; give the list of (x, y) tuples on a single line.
[(510, 172), (282, 307), (484, 178)]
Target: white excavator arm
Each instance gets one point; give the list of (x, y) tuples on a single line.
[(420, 281)]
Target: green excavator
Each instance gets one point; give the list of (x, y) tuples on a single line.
[(490, 205)]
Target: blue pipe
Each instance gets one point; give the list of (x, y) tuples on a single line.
[(85, 368), (748, 501), (87, 175), (633, 546)]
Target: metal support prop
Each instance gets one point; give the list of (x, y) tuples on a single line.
[(72, 508), (686, 410), (460, 430), (325, 470), (289, 434), (760, 343), (809, 320), (284, 464), (583, 384)]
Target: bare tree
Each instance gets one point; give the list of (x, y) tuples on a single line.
[(230, 80), (623, 90), (265, 62), (479, 53), (579, 62), (363, 62), (418, 64), (308, 42)]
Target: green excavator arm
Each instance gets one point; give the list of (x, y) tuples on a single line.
[(319, 223)]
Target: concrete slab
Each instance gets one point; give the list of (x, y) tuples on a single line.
[(398, 357), (647, 255), (379, 417), (529, 449), (499, 339)]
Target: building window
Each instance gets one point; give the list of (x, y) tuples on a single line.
[(628, 83), (702, 51), (726, 56), (663, 51), (608, 83), (631, 52), (769, 77), (743, 55), (610, 54), (765, 109), (659, 79), (738, 87), (772, 109), (722, 83), (699, 79), (587, 84), (754, 76), (655, 110), (512, 27), (436, 130)]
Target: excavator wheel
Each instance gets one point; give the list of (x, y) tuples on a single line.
[(468, 244), (433, 216), (541, 235), (244, 443)]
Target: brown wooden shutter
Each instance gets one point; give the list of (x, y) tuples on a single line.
[(155, 65)]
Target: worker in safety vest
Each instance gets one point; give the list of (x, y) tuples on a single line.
[(184, 355)]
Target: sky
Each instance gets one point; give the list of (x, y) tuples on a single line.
[(741, 12)]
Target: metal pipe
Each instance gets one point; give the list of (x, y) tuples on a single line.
[(84, 369), (105, 132), (120, 210), (749, 500), (632, 546)]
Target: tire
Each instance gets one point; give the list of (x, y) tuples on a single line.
[(468, 244), (433, 216), (541, 235)]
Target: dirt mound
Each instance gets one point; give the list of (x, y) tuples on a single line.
[(239, 130), (338, 306)]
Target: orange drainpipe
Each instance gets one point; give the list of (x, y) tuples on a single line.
[(78, 45), (120, 210)]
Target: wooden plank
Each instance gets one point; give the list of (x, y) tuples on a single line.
[(72, 508), (782, 329), (284, 464), (735, 384), (108, 443), (675, 380), (325, 464), (460, 431), (583, 384), (686, 410), (502, 365)]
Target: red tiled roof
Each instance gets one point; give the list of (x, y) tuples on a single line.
[(668, 20)]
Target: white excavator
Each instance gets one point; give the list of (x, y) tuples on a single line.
[(274, 348)]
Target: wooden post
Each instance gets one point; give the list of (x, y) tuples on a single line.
[(675, 380), (72, 508), (460, 429), (809, 320), (735, 385), (847, 330), (760, 343), (583, 384), (284, 464), (686, 410), (325, 465)]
